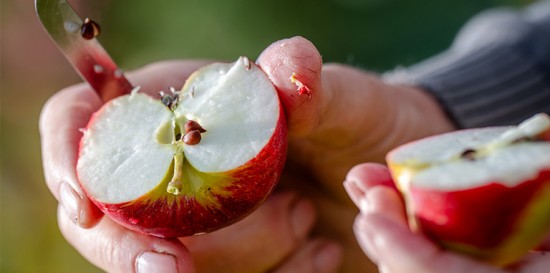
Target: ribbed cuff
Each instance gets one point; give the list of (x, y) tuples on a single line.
[(493, 85), (496, 73)]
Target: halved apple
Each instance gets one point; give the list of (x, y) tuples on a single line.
[(484, 192), (189, 163)]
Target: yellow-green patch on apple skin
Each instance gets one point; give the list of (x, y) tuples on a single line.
[(492, 223), (209, 201)]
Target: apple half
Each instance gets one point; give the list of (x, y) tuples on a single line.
[(190, 165), (484, 192)]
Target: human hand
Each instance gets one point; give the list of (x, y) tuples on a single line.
[(350, 116), (346, 116), (283, 223), (382, 231)]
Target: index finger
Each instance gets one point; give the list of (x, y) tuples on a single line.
[(62, 117), (398, 249)]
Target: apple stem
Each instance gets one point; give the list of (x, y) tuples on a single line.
[(175, 185)]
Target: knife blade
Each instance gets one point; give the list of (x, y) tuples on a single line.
[(87, 56)]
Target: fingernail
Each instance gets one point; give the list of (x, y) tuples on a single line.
[(70, 201), (328, 258), (302, 217), (354, 192), (150, 262)]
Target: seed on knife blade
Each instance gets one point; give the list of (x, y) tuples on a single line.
[(90, 29)]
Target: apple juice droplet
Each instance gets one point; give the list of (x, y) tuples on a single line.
[(70, 26), (134, 221), (98, 69), (117, 74)]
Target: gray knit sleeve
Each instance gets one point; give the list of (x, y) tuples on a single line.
[(497, 71)]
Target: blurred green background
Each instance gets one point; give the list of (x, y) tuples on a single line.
[(373, 34)]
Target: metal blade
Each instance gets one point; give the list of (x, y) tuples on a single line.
[(87, 56)]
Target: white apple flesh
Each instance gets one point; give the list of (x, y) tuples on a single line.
[(137, 164), (484, 192)]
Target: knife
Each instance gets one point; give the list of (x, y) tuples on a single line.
[(75, 38)]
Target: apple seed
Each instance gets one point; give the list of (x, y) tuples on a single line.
[(192, 138), (90, 29), (469, 154), (192, 125)]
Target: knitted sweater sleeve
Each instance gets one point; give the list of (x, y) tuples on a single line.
[(497, 72)]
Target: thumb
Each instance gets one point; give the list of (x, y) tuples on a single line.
[(329, 104), (320, 99), (294, 66), (339, 116)]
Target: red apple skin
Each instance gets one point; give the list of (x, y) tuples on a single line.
[(494, 223), (167, 215)]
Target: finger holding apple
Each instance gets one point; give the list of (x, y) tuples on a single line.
[(113, 248), (397, 249), (484, 192), (284, 221), (383, 232)]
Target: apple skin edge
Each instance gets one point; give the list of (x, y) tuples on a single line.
[(237, 194), (496, 235)]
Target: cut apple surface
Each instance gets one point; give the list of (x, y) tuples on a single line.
[(484, 192), (200, 160)]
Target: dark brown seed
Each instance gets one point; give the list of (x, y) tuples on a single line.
[(192, 125), (468, 154), (192, 137), (90, 29)]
